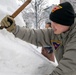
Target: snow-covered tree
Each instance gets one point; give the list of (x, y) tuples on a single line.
[(35, 9)]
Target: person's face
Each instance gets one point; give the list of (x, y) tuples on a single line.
[(58, 28), (47, 26)]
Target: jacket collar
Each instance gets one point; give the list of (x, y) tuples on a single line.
[(70, 31)]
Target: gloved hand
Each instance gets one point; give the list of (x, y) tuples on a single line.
[(8, 23)]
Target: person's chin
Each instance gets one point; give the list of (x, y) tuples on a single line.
[(57, 33)]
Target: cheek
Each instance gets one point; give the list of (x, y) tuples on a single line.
[(60, 29)]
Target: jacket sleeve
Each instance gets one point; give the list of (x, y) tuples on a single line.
[(37, 37), (67, 65)]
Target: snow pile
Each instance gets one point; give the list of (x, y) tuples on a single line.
[(19, 58)]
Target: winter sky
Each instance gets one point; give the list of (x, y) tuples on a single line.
[(50, 2)]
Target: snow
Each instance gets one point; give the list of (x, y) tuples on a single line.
[(18, 57)]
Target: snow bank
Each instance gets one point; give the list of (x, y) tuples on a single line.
[(19, 58)]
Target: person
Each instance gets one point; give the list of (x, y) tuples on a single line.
[(62, 37), (48, 51), (48, 25)]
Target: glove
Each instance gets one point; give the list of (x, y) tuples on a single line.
[(8, 23)]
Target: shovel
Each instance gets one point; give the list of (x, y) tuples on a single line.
[(18, 11)]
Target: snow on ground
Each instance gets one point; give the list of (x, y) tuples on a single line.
[(18, 57)]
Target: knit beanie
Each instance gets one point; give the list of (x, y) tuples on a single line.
[(63, 14)]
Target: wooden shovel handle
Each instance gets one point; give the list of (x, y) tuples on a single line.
[(20, 9)]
